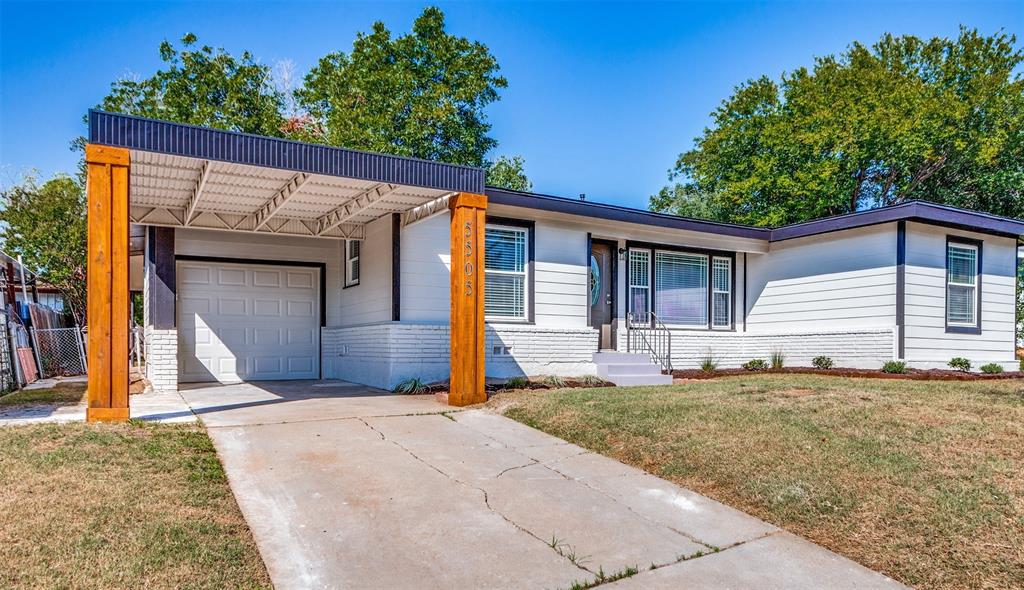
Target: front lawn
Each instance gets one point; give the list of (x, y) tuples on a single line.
[(63, 393), (923, 481), (119, 506)]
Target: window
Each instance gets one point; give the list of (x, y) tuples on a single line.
[(681, 288), (352, 248), (505, 261), (639, 283), (962, 284), (721, 292)]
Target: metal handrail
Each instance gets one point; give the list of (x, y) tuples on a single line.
[(649, 336)]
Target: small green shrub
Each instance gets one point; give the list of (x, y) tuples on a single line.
[(992, 368), (552, 381), (591, 381), (894, 367), (755, 365), (517, 382), (778, 358), (411, 386), (708, 364), (822, 362), (960, 364)]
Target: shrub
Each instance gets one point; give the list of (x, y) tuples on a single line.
[(708, 363), (591, 381), (552, 381), (822, 362), (960, 364), (410, 386), (518, 382), (992, 368), (894, 367), (755, 365), (778, 359)]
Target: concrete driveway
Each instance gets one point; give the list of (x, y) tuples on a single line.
[(350, 487)]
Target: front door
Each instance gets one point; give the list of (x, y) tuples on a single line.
[(602, 292)]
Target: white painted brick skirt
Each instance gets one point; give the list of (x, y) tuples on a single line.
[(162, 359)]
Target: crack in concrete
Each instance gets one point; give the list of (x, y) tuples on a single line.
[(482, 491), (303, 421)]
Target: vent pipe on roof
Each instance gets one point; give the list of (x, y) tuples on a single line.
[(583, 196)]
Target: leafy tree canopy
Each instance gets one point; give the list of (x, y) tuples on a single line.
[(204, 86), (508, 173), (421, 94), (907, 118), (46, 226)]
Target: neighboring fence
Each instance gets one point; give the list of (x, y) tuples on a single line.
[(8, 374), (59, 351)]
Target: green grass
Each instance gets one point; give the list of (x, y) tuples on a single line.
[(63, 393), (120, 506), (919, 480)]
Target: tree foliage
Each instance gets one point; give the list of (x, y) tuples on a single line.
[(421, 94), (508, 173), (204, 86), (907, 118), (46, 226)]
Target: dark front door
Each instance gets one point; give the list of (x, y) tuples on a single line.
[(602, 292)]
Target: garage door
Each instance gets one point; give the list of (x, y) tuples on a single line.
[(247, 322)]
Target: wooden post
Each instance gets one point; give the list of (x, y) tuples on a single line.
[(107, 283), (468, 218)]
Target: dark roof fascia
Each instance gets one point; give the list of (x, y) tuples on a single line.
[(151, 135), (510, 198), (919, 211)]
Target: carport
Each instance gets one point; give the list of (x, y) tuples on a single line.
[(169, 175)]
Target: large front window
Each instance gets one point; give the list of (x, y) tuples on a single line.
[(685, 289), (505, 260), (961, 284)]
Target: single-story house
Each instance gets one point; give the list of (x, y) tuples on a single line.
[(268, 259)]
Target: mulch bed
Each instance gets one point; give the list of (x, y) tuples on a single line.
[(916, 374)]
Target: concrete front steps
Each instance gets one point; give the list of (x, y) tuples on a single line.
[(623, 368)]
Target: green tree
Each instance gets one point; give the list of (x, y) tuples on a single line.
[(46, 226), (938, 119), (204, 86), (422, 94), (508, 173)]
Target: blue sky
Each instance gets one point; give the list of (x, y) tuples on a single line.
[(602, 97)]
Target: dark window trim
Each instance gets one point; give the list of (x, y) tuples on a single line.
[(396, 267), (614, 245), (531, 229), (344, 264), (590, 252), (711, 254), (976, 329), (901, 288)]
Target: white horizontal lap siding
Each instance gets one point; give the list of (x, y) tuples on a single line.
[(925, 336), (844, 279), (370, 300), (560, 275), (426, 264), (220, 244)]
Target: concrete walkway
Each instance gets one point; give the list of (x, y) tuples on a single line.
[(348, 487), (149, 407)]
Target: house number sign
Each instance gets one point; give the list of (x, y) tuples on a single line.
[(468, 264)]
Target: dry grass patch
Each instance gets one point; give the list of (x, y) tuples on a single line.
[(125, 506), (63, 393), (920, 480)]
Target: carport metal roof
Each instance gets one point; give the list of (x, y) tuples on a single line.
[(188, 176)]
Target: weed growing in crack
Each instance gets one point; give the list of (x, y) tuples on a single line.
[(603, 578)]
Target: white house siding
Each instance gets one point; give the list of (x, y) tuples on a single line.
[(840, 280), (370, 300), (382, 355), (926, 342), (425, 266)]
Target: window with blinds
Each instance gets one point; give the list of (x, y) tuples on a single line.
[(352, 248), (681, 288), (639, 283), (505, 259), (721, 292), (961, 284)]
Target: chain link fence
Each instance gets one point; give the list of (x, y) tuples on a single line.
[(8, 377), (59, 351)]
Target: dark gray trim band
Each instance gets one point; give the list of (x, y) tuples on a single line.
[(178, 139), (396, 267), (901, 288), (163, 286)]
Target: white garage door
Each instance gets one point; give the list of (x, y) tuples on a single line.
[(247, 322)]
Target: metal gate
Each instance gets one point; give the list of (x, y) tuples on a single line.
[(59, 351)]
